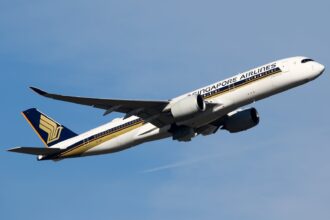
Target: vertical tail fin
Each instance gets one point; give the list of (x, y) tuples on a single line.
[(49, 131)]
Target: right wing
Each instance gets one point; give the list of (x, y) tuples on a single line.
[(150, 111), (35, 150)]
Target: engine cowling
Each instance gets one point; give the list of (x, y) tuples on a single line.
[(241, 120), (187, 107)]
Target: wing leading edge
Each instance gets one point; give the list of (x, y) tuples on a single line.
[(150, 111)]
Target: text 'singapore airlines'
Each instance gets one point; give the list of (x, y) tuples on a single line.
[(200, 112)]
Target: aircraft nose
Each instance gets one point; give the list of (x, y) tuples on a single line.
[(319, 68)]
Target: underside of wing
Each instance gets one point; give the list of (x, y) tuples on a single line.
[(150, 111)]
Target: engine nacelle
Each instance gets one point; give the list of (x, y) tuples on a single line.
[(187, 107), (241, 120)]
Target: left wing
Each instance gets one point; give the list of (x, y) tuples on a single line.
[(151, 111)]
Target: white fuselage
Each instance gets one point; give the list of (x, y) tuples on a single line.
[(226, 96)]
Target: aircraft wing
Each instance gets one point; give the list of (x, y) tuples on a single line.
[(150, 111)]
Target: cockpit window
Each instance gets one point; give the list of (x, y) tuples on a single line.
[(306, 60)]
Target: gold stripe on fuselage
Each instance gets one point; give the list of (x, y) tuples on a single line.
[(78, 150)]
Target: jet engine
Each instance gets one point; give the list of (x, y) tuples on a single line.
[(241, 120), (187, 107)]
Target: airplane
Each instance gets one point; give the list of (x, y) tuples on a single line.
[(201, 112)]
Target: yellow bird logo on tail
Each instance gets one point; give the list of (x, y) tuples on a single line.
[(51, 128)]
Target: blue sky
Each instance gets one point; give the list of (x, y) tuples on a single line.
[(158, 50)]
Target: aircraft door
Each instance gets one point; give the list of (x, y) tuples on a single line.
[(277, 78)]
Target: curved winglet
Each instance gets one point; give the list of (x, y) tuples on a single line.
[(38, 91)]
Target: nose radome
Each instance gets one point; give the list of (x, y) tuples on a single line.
[(319, 68)]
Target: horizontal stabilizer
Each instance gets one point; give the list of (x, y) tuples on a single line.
[(35, 150)]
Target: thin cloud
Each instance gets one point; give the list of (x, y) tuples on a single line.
[(198, 160), (179, 164)]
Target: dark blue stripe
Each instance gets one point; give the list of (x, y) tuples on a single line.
[(241, 82)]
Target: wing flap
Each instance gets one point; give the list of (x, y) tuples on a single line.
[(35, 150)]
